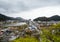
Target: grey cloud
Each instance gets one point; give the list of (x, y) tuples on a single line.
[(12, 6)]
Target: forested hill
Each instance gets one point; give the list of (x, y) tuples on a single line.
[(54, 18), (4, 18)]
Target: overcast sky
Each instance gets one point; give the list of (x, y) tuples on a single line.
[(30, 8)]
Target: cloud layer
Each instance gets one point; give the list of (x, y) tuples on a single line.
[(34, 13), (15, 6)]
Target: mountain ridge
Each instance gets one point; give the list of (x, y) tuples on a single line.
[(52, 18), (4, 18)]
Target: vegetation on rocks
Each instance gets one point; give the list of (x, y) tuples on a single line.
[(48, 35)]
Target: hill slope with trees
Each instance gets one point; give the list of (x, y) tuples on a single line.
[(54, 18)]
